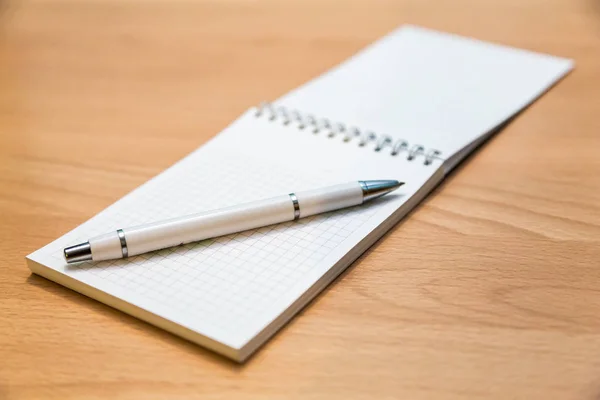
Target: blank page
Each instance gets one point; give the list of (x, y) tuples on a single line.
[(440, 90)]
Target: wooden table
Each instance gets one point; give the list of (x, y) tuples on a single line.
[(490, 289)]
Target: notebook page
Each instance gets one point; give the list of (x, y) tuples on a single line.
[(431, 88), (230, 288)]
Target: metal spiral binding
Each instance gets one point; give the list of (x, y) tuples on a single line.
[(364, 137)]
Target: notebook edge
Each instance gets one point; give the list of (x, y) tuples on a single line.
[(116, 303)]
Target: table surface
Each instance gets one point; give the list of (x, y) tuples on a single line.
[(488, 290)]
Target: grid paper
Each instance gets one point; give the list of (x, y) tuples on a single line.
[(229, 288)]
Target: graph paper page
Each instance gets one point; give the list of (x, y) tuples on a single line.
[(230, 288)]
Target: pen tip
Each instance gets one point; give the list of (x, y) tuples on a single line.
[(396, 184), (374, 189)]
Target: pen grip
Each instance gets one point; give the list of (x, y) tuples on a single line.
[(330, 198)]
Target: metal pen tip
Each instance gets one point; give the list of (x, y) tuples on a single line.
[(374, 189), (78, 253)]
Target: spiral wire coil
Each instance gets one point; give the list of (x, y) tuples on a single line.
[(349, 133)]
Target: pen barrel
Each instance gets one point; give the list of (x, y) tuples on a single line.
[(193, 228)]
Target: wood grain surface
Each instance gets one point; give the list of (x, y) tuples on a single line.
[(490, 289)]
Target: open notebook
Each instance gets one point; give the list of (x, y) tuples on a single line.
[(409, 107)]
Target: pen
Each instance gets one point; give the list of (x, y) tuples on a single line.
[(140, 239)]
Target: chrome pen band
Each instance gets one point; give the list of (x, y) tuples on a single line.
[(365, 189), (296, 206), (123, 241)]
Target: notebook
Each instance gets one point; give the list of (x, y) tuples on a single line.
[(408, 107)]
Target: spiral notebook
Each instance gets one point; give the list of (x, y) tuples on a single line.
[(409, 107)]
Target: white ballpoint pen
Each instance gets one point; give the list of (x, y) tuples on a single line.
[(141, 239)]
